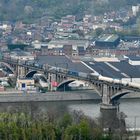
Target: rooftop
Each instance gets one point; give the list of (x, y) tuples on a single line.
[(67, 42), (118, 70), (134, 58), (113, 69), (108, 38), (64, 62), (20, 53)]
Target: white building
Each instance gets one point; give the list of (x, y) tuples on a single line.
[(135, 9), (36, 44), (25, 84), (74, 43)]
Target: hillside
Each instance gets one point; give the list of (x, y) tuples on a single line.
[(29, 10)]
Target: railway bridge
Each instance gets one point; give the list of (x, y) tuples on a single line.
[(110, 91)]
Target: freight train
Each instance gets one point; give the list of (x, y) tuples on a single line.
[(98, 77), (90, 76), (115, 81)]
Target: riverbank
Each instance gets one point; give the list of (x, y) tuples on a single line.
[(80, 95), (50, 96)]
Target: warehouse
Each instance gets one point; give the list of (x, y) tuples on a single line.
[(107, 41), (63, 62), (115, 69), (69, 47)]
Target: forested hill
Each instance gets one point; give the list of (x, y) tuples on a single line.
[(31, 9)]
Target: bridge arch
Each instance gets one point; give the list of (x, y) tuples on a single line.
[(118, 95), (30, 74), (63, 86), (8, 66)]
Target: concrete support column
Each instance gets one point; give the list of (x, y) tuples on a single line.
[(16, 70), (49, 81), (51, 78), (106, 94), (26, 70), (21, 72), (59, 79), (105, 97)]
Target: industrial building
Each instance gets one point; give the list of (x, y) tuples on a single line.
[(69, 47), (63, 62), (21, 55), (115, 68), (110, 67), (133, 60), (107, 41)]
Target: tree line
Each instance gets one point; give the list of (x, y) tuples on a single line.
[(21, 126), (33, 9)]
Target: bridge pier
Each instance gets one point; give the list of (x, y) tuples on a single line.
[(109, 117), (109, 106), (109, 110)]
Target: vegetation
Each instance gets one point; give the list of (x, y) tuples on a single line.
[(30, 10), (20, 126)]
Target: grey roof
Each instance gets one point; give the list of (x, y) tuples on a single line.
[(110, 69), (20, 53), (134, 58), (104, 69), (108, 38), (69, 42), (115, 69), (64, 62), (125, 67)]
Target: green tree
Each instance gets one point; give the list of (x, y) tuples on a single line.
[(65, 121), (71, 132), (84, 130)]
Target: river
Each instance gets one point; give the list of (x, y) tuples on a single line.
[(131, 108)]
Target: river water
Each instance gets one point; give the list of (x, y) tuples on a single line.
[(131, 108)]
